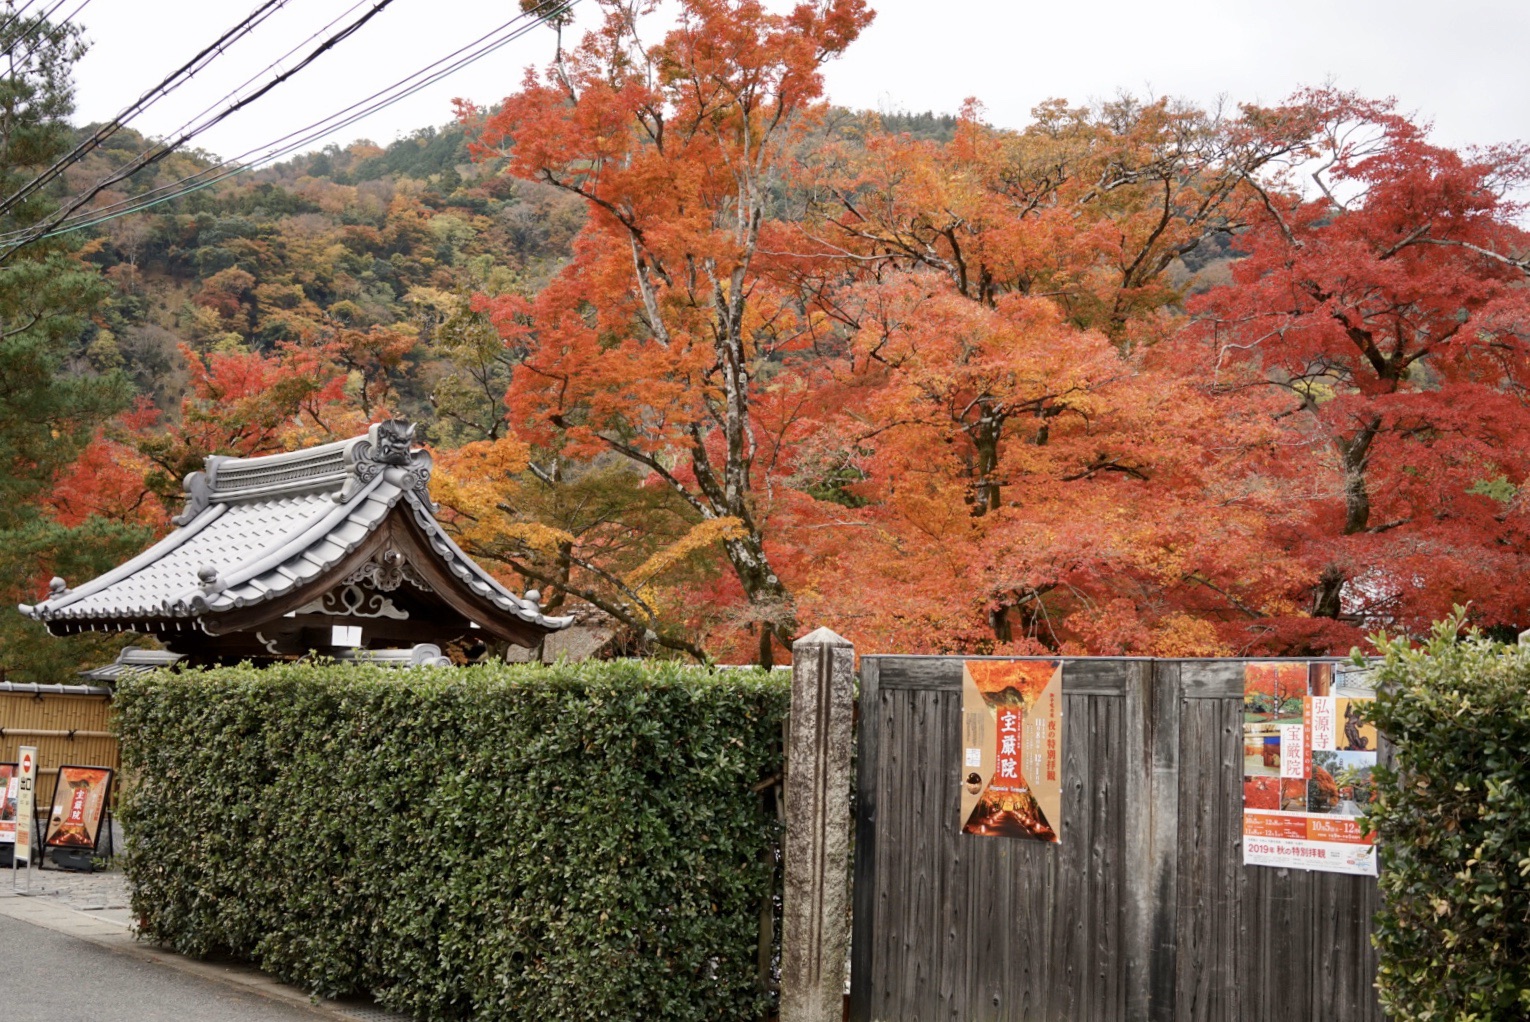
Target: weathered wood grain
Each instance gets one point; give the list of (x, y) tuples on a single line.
[(1143, 911), (1083, 677), (867, 763)]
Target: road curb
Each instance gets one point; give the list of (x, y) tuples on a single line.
[(113, 935)]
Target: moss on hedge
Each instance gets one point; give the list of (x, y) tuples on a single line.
[(573, 842)]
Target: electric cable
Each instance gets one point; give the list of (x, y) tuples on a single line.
[(293, 141), (299, 138), (232, 93), (322, 127), (35, 37), (172, 81), (15, 15)]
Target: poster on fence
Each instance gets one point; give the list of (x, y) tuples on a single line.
[(79, 801), (1308, 760), (1012, 749), (9, 784)]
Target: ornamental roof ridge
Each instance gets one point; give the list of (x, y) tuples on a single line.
[(257, 531), (338, 469)]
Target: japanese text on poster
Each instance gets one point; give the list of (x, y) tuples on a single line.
[(26, 784), (1012, 748), (79, 801), (1308, 760)]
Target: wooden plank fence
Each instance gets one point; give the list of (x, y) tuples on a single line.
[(1144, 911)]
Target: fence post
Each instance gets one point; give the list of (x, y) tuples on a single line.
[(815, 925), (1151, 806)]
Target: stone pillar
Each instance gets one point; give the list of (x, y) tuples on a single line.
[(815, 928)]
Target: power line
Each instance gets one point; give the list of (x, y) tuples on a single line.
[(34, 38), (176, 78), (165, 149), (15, 15), (146, 153), (232, 93), (305, 136), (47, 16), (476, 50)]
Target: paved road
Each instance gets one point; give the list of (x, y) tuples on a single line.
[(53, 976)]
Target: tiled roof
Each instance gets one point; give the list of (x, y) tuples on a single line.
[(32, 688), (256, 527), (133, 660)]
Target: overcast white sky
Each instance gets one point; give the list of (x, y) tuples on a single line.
[(1461, 64)]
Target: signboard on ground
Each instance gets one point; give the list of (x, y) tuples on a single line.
[(79, 803), (1308, 760)]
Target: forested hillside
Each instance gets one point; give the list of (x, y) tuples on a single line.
[(700, 353)]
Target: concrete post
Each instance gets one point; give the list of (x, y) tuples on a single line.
[(815, 928)]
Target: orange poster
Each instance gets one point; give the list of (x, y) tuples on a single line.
[(1012, 748), (1308, 760), (79, 803)]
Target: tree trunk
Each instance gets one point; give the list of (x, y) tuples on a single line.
[(1355, 456), (986, 494), (1003, 630), (765, 592), (1326, 601), (557, 593)]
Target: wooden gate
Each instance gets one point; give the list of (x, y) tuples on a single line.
[(1143, 911)]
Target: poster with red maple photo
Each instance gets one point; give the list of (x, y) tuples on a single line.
[(1012, 749), (1308, 756), (79, 803)]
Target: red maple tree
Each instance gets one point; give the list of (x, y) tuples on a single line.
[(1389, 310)]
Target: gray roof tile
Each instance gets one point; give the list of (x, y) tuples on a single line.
[(267, 524)]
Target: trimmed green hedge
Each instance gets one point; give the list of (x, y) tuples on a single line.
[(574, 842), (1453, 816)]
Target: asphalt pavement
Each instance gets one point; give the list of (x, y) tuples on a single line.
[(51, 975), (67, 951)]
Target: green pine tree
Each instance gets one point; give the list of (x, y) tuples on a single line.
[(51, 403)]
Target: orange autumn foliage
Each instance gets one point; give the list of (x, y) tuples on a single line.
[(242, 404), (1323, 792), (1027, 678), (106, 481), (990, 394), (655, 342), (1276, 682), (1261, 793)]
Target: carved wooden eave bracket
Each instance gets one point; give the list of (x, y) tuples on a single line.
[(324, 531)]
